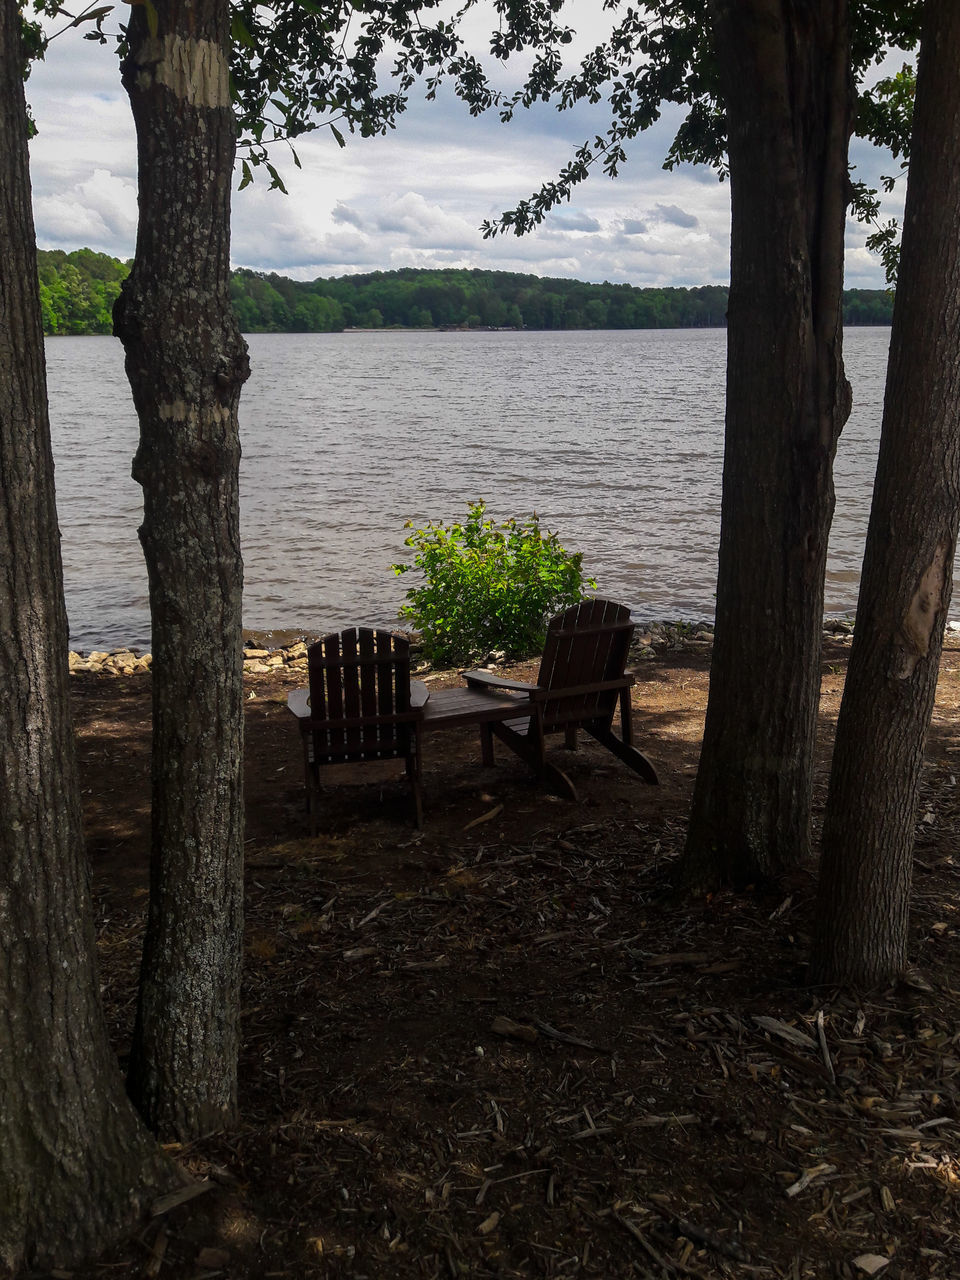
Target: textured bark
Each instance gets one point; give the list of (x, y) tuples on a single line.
[(76, 1165), (906, 583), (788, 98), (186, 363)]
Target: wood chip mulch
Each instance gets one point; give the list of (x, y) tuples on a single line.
[(502, 1047)]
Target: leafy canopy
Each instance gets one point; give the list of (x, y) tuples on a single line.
[(300, 65)]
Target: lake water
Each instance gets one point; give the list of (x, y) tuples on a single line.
[(614, 438)]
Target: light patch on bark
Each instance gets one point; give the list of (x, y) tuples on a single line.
[(916, 626), (195, 71), (180, 411)]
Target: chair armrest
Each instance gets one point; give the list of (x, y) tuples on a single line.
[(487, 679), (298, 701)]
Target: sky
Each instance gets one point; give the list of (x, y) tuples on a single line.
[(415, 198)]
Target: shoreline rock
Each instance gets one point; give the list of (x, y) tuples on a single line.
[(125, 662), (650, 640), (113, 662)]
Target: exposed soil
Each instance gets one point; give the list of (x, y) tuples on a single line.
[(499, 1047)]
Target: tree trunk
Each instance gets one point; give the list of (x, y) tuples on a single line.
[(76, 1165), (788, 110), (906, 583), (186, 363)]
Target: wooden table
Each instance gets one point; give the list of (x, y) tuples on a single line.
[(454, 708), (448, 708)]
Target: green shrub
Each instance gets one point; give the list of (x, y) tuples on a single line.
[(488, 586)]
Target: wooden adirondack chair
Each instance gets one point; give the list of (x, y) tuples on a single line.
[(581, 681), (360, 708)]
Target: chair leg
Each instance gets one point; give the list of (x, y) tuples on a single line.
[(310, 786), (313, 802), (486, 747), (626, 717), (531, 748), (415, 775), (626, 752), (526, 745), (570, 736), (556, 780)]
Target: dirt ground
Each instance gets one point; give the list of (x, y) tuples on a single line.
[(499, 1047)]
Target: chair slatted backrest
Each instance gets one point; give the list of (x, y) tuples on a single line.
[(586, 645), (360, 696)]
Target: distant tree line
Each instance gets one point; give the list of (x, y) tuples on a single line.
[(490, 299), (77, 292)]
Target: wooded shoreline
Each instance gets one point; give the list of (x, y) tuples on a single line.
[(78, 291)]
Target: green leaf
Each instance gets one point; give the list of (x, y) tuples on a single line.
[(240, 32), (276, 182), (93, 15), (487, 586), (341, 140)]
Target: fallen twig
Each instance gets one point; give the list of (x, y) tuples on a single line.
[(824, 1048), (176, 1198), (700, 1235), (553, 1034)]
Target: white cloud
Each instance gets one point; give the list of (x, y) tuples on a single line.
[(574, 220), (416, 197), (672, 214), (422, 223), (98, 213), (342, 214)]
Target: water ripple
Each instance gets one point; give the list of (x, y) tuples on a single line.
[(615, 439)]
